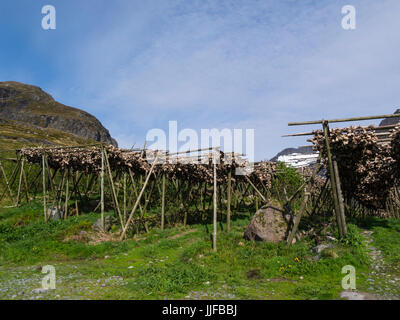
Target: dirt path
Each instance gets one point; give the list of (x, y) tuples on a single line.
[(382, 282)]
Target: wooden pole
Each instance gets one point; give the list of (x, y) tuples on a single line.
[(124, 182), (298, 218), (332, 177), (340, 198), (26, 185), (113, 188), (304, 203), (12, 179), (138, 199), (76, 182), (215, 205), (102, 188), (44, 187), (163, 202), (66, 196), (344, 120), (229, 194), (20, 181), (6, 182), (254, 187)]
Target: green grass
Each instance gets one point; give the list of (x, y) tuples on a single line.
[(173, 263)]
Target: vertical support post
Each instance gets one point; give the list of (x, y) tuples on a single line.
[(20, 181), (332, 177), (102, 188), (77, 179), (229, 194), (297, 218), (163, 202), (44, 187), (340, 198), (114, 194), (26, 186), (124, 197), (215, 204), (66, 196)]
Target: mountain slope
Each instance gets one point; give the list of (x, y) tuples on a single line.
[(16, 135), (25, 106)]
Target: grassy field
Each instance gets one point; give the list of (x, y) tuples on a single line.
[(177, 263)]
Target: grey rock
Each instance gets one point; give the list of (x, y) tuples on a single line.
[(322, 247), (54, 213), (107, 224), (329, 238), (39, 290), (317, 257), (268, 224)]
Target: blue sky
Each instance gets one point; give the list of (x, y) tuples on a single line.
[(135, 65)]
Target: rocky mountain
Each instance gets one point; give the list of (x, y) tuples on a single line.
[(28, 108), (289, 151), (390, 121), (297, 157)]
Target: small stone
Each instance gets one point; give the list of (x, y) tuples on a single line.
[(317, 257), (322, 247), (329, 238), (39, 290)]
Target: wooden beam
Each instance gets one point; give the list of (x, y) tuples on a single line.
[(229, 195), (44, 187), (340, 198), (163, 202), (344, 120), (215, 206), (102, 189)]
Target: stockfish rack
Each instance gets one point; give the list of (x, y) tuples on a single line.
[(381, 131), (79, 179)]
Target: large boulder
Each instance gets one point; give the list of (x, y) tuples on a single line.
[(270, 223)]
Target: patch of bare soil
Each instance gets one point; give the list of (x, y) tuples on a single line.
[(182, 234), (93, 238)]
